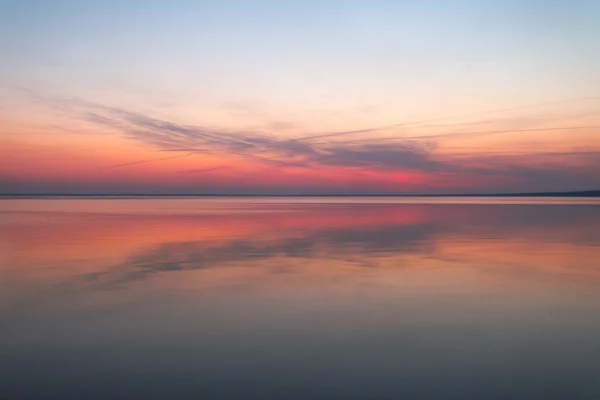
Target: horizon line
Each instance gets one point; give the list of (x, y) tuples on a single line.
[(573, 193)]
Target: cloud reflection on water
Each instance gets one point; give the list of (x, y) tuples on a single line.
[(212, 299), (559, 241)]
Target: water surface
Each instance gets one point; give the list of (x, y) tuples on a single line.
[(300, 298)]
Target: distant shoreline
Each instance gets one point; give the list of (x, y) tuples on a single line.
[(585, 193)]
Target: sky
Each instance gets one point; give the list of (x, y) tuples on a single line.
[(299, 97)]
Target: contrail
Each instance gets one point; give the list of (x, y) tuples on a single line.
[(144, 161), (455, 134), (324, 135), (502, 131), (199, 170)]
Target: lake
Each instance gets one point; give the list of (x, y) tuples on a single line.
[(300, 298)]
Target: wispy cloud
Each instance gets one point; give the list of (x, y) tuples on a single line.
[(416, 152), (260, 147)]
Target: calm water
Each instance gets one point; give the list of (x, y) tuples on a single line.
[(300, 298)]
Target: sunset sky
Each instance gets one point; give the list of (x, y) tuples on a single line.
[(299, 97)]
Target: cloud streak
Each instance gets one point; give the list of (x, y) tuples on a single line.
[(144, 161), (450, 135), (263, 148), (415, 153)]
